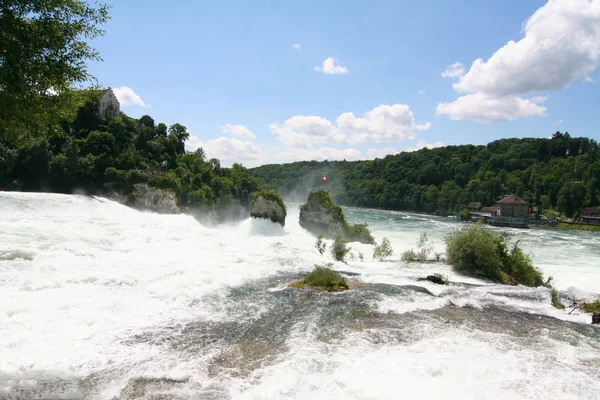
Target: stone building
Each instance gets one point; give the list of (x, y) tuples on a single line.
[(108, 105), (512, 207)]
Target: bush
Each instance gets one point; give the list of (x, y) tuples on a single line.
[(556, 299), (478, 252), (410, 255), (340, 249), (383, 251), (423, 253), (324, 278), (360, 233), (320, 245), (463, 215), (592, 307)]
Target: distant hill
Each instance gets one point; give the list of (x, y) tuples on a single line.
[(561, 173)]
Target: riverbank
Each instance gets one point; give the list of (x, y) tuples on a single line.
[(581, 227)]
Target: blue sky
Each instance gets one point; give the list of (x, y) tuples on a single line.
[(276, 81)]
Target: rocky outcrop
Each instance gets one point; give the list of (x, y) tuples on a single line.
[(153, 199), (437, 279), (321, 215), (596, 318), (268, 205)]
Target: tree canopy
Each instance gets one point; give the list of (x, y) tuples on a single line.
[(44, 53), (99, 155), (561, 172)]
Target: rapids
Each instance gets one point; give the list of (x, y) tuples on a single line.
[(100, 301)]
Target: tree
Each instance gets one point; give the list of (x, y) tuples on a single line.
[(43, 54), (179, 132)]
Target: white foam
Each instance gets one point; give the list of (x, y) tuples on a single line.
[(82, 276)]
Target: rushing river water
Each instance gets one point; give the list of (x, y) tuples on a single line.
[(99, 301)]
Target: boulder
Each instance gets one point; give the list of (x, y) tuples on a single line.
[(596, 318), (153, 199), (438, 280), (321, 215), (268, 205)]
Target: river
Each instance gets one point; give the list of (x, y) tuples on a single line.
[(100, 301)]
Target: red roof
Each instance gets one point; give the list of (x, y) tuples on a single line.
[(512, 199), (591, 210)]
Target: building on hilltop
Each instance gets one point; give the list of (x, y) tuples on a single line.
[(108, 105)]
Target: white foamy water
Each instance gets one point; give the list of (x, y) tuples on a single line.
[(115, 303)]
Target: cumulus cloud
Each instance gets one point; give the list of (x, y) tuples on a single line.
[(588, 79), (561, 44), (384, 123), (238, 131), (291, 154), (455, 70), (380, 153), (296, 46), (228, 150), (421, 93), (127, 97), (421, 144), (481, 107), (329, 67)]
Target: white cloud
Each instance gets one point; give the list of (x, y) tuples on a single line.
[(559, 122), (228, 150), (296, 46), (456, 70), (238, 131), (421, 93), (588, 79), (483, 108), (423, 145), (291, 154), (380, 153), (330, 68), (561, 44), (384, 123), (127, 97), (305, 131)]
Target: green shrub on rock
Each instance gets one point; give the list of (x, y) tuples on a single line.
[(422, 254), (320, 214), (477, 252), (591, 307), (320, 245), (340, 249), (323, 278), (383, 251)]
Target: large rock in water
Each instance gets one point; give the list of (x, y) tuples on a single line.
[(153, 199), (596, 318), (268, 205), (321, 215)]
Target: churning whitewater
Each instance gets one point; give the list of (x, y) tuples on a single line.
[(100, 301)]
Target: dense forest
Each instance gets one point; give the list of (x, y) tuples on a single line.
[(98, 155), (561, 173)]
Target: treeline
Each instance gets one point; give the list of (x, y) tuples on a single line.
[(561, 173), (97, 155)]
